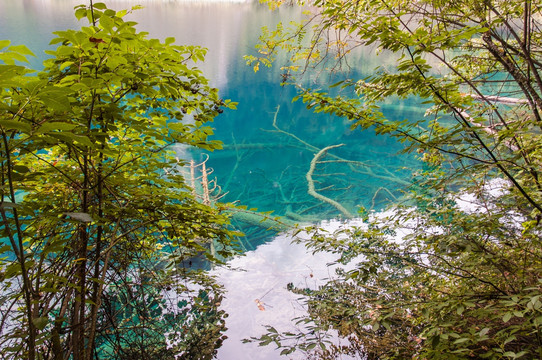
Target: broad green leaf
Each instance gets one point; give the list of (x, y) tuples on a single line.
[(15, 125), (40, 322), (80, 13), (65, 65), (7, 204), (21, 169), (461, 340), (56, 98), (100, 6), (507, 317), (10, 71), (4, 43), (107, 23), (21, 49), (10, 57), (55, 125), (72, 138)]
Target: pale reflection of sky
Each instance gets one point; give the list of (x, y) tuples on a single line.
[(265, 275)]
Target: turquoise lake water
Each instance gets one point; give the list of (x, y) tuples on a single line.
[(262, 166)]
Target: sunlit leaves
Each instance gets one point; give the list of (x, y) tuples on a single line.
[(13, 53)]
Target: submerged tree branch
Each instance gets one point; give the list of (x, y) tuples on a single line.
[(311, 189)]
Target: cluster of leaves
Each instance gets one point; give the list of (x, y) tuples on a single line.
[(94, 231), (456, 283)]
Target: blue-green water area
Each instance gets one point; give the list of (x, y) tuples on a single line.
[(271, 144)]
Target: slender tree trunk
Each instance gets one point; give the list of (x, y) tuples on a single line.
[(18, 248)]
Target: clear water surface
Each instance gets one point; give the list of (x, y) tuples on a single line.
[(263, 165)]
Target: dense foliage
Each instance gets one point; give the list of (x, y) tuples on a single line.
[(433, 278), (99, 229)]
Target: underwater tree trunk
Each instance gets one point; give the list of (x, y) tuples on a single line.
[(311, 189)]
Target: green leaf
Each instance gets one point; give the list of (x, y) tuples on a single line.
[(9, 72), (55, 125), (286, 351), (4, 43), (21, 169), (510, 339), (107, 23), (65, 65), (40, 322), (461, 340), (55, 98), (80, 13), (21, 49), (100, 6), (15, 125), (7, 204), (507, 317)]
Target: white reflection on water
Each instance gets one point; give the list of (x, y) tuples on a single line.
[(265, 274)]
